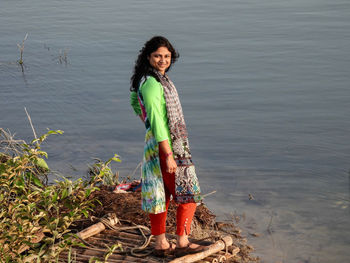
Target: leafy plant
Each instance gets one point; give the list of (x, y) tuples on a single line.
[(35, 217), (102, 172)]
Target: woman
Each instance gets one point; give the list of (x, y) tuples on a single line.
[(167, 165)]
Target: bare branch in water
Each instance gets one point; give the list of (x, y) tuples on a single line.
[(31, 124), (63, 56), (21, 50), (269, 227), (8, 144)]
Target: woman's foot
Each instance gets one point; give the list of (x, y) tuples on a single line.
[(183, 242), (161, 242), (162, 253), (185, 247), (191, 248), (162, 246), (189, 245)]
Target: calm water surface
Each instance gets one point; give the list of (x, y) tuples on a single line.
[(264, 87)]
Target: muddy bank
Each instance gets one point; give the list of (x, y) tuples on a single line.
[(127, 206)]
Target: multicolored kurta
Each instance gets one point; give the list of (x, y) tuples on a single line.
[(150, 102)]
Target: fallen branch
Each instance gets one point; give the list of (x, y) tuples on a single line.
[(31, 124), (212, 249), (96, 228)]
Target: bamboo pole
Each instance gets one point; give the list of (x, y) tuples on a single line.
[(96, 228), (91, 230), (111, 259), (127, 238), (222, 258), (122, 234), (234, 251), (212, 259), (214, 248)]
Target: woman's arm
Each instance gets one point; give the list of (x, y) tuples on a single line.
[(152, 93), (134, 102), (165, 149)]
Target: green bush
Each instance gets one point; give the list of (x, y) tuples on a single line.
[(35, 217)]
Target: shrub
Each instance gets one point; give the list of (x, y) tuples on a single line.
[(35, 217)]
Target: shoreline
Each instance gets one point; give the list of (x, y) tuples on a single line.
[(39, 219)]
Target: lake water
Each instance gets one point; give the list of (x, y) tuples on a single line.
[(264, 87)]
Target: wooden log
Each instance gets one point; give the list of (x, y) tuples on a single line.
[(114, 234), (91, 230), (234, 251), (113, 258), (100, 253), (212, 259), (222, 258), (124, 242), (96, 228), (85, 258), (126, 238), (214, 248)]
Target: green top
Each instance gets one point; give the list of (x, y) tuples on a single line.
[(135, 103), (154, 101)]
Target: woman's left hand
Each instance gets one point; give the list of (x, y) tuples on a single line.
[(164, 149), (171, 165)]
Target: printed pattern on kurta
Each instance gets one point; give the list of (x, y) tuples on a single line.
[(186, 182), (153, 194)]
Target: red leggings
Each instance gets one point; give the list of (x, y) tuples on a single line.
[(184, 212)]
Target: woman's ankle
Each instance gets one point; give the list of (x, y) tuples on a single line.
[(182, 241), (161, 242)]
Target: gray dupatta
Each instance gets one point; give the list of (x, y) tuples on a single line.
[(186, 183)]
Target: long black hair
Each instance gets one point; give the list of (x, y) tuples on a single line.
[(142, 66)]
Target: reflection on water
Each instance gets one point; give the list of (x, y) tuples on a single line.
[(264, 87)]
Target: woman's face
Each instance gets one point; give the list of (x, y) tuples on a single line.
[(160, 59)]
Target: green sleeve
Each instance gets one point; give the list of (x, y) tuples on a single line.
[(153, 98), (135, 103)]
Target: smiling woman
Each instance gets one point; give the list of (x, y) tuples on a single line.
[(160, 59), (167, 164)]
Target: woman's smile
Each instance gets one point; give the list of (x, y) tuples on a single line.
[(160, 59)]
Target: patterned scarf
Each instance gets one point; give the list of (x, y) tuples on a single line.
[(186, 182)]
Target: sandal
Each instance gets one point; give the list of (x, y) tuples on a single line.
[(182, 251), (163, 253)]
